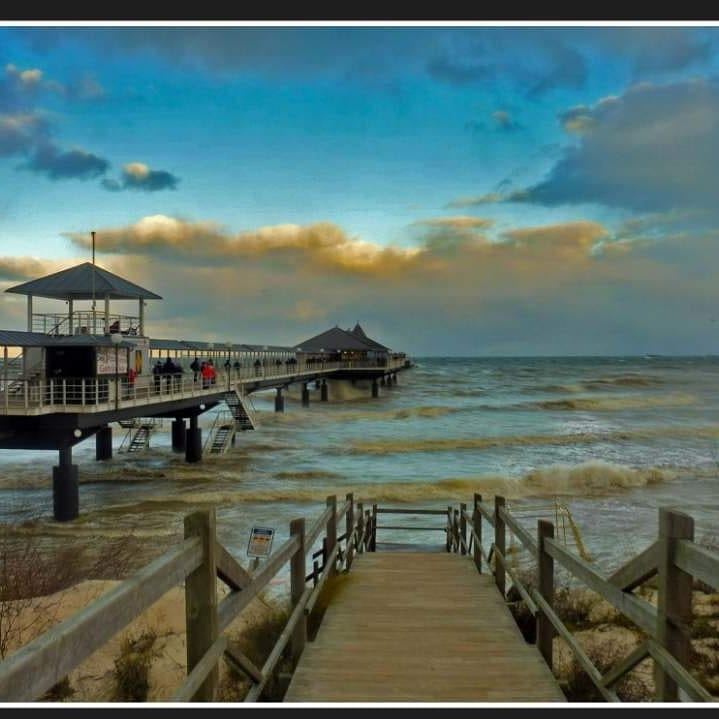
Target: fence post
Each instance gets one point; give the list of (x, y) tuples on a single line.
[(545, 580), (499, 541), (201, 601), (450, 531), (463, 526), (477, 525), (674, 602), (349, 527), (331, 531), (360, 527), (373, 540), (297, 587)]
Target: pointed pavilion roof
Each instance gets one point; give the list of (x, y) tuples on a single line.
[(333, 340), (76, 283), (339, 339), (359, 332)]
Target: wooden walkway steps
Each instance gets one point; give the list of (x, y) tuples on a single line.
[(419, 627)]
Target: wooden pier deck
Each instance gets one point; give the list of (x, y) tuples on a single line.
[(419, 627)]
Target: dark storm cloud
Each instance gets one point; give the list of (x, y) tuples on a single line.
[(652, 148), (57, 164), (138, 176)]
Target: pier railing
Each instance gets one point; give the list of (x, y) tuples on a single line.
[(198, 561), (99, 394), (674, 558)]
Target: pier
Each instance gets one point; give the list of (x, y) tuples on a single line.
[(405, 623), (70, 375)]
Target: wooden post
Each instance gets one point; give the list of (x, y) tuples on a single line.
[(373, 540), (455, 530), (201, 602), (349, 527), (449, 529), (477, 524), (545, 579), (499, 543), (331, 531), (674, 601), (360, 527), (463, 527), (297, 587)]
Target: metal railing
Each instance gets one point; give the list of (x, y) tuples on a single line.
[(93, 394)]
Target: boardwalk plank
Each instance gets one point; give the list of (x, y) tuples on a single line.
[(424, 627)]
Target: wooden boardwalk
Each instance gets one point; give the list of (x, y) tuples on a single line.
[(419, 627)]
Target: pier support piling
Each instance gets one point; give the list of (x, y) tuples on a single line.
[(305, 395), (65, 492), (103, 444), (279, 401), (324, 391), (375, 388), (193, 442), (179, 435), (383, 381)]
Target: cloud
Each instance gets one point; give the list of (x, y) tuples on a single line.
[(487, 199), (58, 164), (529, 290), (20, 132), (323, 244), (138, 176), (652, 148)]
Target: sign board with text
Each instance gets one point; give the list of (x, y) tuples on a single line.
[(260, 542)]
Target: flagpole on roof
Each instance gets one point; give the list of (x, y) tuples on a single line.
[(94, 328)]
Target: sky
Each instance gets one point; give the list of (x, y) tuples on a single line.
[(458, 190)]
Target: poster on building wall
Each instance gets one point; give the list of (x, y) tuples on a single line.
[(140, 355), (106, 360)]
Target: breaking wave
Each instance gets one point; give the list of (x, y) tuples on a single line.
[(613, 404)]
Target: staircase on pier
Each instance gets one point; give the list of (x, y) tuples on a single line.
[(139, 431), (241, 410)]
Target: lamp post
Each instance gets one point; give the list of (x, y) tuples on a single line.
[(228, 364), (116, 339)]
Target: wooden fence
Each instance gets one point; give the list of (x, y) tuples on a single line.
[(198, 561), (674, 558)]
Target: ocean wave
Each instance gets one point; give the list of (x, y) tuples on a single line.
[(448, 444), (588, 478), (624, 380), (615, 403), (308, 474)]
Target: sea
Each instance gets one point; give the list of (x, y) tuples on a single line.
[(606, 441)]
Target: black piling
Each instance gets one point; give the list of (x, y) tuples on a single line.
[(193, 442), (103, 444), (305, 395), (375, 388), (279, 401), (324, 391), (65, 491), (179, 435)]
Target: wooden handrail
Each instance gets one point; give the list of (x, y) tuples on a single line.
[(643, 614), (317, 527), (517, 583), (697, 561), (280, 644), (42, 663), (526, 538), (235, 602), (202, 669)]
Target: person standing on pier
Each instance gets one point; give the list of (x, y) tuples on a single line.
[(195, 367)]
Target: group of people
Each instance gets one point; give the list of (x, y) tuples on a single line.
[(204, 370), (170, 370)]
